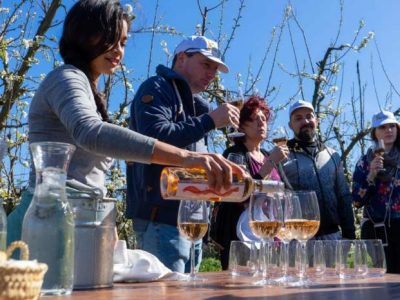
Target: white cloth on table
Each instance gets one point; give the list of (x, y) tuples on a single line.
[(243, 230), (140, 266)]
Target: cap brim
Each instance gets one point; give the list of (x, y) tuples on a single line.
[(389, 121), (222, 66)]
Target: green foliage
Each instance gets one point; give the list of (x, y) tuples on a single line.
[(210, 264)]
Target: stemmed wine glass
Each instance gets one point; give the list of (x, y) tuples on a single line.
[(281, 137), (237, 101), (238, 159), (265, 220), (303, 224), (193, 225), (379, 150), (290, 206)]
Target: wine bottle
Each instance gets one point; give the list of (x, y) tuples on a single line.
[(191, 184)]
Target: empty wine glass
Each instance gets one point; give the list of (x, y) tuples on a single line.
[(302, 225), (238, 159), (237, 100), (265, 220), (193, 225)]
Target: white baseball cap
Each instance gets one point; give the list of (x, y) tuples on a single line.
[(205, 46), (382, 118), (300, 104)]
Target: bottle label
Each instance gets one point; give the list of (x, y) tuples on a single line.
[(200, 191)]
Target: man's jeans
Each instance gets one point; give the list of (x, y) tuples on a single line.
[(165, 242)]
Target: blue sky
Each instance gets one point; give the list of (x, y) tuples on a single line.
[(319, 20)]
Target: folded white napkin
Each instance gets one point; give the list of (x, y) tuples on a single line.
[(139, 266)]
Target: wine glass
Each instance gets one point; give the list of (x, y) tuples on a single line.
[(290, 205), (238, 159), (237, 101), (193, 225), (379, 149), (265, 220), (303, 224), (281, 137)]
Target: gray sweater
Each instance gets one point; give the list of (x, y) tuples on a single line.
[(63, 110)]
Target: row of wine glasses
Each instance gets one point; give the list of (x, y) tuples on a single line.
[(289, 215)]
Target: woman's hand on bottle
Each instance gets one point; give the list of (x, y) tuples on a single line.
[(279, 153), (375, 166), (219, 170)]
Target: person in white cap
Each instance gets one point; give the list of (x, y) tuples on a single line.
[(168, 107), (314, 166), (376, 187)]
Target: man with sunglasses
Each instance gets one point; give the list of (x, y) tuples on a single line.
[(169, 107)]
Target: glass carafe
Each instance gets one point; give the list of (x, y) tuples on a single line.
[(48, 226)]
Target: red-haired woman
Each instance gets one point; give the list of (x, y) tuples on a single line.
[(254, 117)]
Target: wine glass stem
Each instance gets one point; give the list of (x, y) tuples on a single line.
[(265, 258), (285, 258), (303, 259), (192, 262)]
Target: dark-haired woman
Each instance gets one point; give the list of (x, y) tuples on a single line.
[(376, 187), (254, 117), (67, 107)]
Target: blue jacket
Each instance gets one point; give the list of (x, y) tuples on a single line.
[(157, 112)]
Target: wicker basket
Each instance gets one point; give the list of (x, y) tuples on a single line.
[(17, 281)]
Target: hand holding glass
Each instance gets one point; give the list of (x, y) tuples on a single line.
[(379, 150), (237, 101)]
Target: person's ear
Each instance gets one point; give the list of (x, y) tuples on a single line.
[(180, 58)]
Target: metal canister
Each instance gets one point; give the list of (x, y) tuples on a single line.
[(95, 218)]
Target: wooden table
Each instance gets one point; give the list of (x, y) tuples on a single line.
[(221, 285)]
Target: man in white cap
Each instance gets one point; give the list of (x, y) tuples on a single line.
[(168, 107), (314, 166)]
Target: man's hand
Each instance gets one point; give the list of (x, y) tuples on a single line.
[(225, 115), (279, 153)]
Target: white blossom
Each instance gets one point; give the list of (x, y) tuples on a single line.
[(128, 8), (333, 89), (27, 43)]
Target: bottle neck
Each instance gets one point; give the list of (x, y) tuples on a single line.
[(268, 186)]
